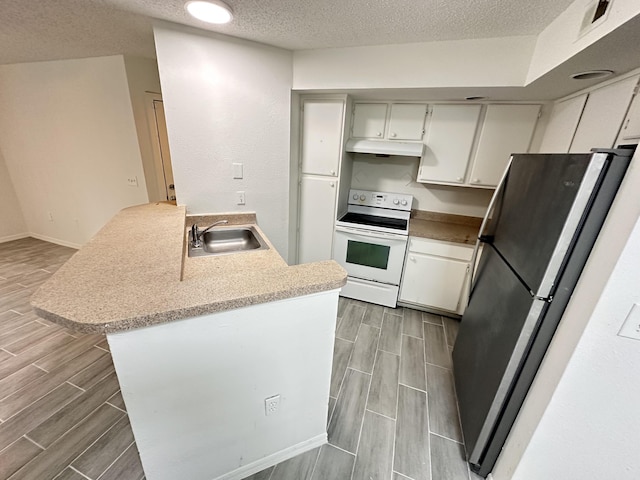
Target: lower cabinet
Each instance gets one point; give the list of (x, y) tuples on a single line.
[(317, 218), (435, 274)]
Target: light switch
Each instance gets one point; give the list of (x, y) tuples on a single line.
[(237, 170), (240, 198), (631, 326), (132, 181)]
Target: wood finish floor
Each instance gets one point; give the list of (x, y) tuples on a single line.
[(61, 412), (392, 412)]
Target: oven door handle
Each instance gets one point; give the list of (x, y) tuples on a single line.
[(369, 233)]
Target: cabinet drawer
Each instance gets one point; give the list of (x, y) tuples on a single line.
[(440, 249)]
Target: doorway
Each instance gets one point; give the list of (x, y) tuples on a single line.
[(161, 154)]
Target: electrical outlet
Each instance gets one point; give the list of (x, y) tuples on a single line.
[(240, 198), (271, 405), (631, 326), (132, 181)]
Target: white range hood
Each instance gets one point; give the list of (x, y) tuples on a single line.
[(386, 147)]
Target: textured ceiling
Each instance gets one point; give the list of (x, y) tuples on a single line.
[(34, 30)]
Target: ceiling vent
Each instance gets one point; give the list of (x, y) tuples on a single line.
[(595, 14)]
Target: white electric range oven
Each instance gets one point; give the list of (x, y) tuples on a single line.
[(370, 243)]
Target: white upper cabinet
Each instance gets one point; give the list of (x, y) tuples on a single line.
[(322, 127), (562, 125), (369, 120), (603, 116), (406, 121), (507, 129), (396, 121), (448, 141), (631, 128)]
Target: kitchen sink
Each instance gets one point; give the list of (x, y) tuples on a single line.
[(226, 240)]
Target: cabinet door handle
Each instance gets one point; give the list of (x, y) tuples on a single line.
[(332, 184), (459, 179), (379, 134), (393, 135), (333, 172), (413, 259), (626, 125), (476, 180)]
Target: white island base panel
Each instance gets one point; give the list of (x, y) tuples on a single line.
[(195, 389)]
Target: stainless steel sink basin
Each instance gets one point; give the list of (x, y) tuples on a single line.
[(225, 240)]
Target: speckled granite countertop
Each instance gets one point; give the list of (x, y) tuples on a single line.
[(442, 226), (135, 273)]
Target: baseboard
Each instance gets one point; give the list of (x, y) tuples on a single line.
[(10, 238), (435, 311), (54, 240), (273, 459)]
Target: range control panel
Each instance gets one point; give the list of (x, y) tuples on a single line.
[(395, 201)]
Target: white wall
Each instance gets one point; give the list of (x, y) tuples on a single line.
[(228, 100), (142, 76), (561, 40), (620, 222), (591, 428), (68, 137), (398, 174), (492, 62), (197, 399), (12, 225)]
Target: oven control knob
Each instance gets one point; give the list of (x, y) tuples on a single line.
[(355, 197), (396, 201), (363, 198), (404, 203)]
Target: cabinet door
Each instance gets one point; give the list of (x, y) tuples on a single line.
[(433, 281), (448, 143), (507, 129), (316, 218), (369, 120), (562, 125), (407, 121), (603, 116), (631, 129), (322, 137)]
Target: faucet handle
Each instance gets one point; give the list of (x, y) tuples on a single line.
[(195, 236)]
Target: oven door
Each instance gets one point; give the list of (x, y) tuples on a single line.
[(370, 255)]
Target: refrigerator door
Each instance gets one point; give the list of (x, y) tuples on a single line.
[(494, 336), (540, 212)]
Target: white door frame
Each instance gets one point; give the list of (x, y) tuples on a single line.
[(162, 187)]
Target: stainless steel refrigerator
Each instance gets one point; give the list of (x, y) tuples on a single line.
[(542, 223)]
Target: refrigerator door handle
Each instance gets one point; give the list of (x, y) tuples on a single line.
[(482, 238)]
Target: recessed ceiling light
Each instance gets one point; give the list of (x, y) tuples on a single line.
[(591, 74), (210, 12)]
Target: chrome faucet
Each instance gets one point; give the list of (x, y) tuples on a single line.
[(197, 234)]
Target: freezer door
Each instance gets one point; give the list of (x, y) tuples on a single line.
[(541, 208), (494, 336)]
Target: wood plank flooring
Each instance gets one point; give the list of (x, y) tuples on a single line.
[(61, 415), (392, 412)]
